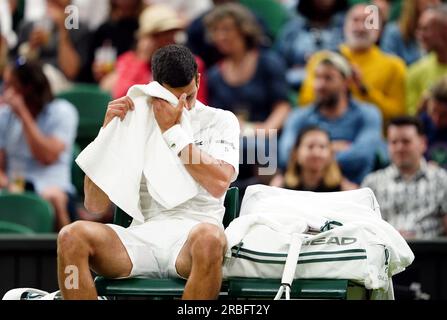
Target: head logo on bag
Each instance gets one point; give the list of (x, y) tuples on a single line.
[(339, 241)]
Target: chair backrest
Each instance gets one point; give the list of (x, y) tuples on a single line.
[(231, 206), (91, 103), (28, 210), (231, 210), (10, 227)]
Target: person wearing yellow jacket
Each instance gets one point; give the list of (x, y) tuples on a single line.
[(378, 78)]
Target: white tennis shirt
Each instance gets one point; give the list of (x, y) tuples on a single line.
[(215, 132)]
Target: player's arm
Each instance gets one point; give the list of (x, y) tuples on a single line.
[(212, 174)]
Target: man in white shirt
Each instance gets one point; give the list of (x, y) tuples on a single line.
[(187, 241)]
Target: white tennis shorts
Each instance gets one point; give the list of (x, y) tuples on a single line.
[(153, 246)]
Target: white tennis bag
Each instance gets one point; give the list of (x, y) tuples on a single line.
[(31, 294), (35, 294), (283, 234)]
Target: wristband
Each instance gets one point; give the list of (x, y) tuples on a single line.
[(176, 138)]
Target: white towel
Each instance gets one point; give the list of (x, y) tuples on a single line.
[(124, 150)]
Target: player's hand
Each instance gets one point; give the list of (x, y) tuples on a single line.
[(167, 115), (118, 108)]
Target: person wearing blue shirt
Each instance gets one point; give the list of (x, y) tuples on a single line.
[(354, 127), (37, 134), (393, 42), (317, 26), (400, 37)]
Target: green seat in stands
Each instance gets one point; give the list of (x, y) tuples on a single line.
[(28, 210), (91, 103), (271, 12), (10, 227)]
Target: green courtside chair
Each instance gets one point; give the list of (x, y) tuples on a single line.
[(234, 288), (10, 227), (157, 287), (91, 103), (231, 210), (28, 210), (334, 289)]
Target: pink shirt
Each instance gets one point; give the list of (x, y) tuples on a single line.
[(131, 71)]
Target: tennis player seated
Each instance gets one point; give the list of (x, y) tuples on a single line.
[(187, 241)]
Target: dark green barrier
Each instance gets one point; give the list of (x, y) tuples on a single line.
[(28, 261)]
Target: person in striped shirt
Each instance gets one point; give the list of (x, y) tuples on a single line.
[(412, 194)]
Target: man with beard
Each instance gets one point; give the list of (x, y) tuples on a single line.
[(378, 78), (354, 127)]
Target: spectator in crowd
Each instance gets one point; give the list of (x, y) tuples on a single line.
[(312, 165), (37, 134), (116, 35), (378, 78), (354, 127), (51, 42), (159, 26), (384, 14), (411, 193), (435, 124), (432, 67), (318, 26), (399, 38), (249, 81), (91, 13), (199, 42)]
